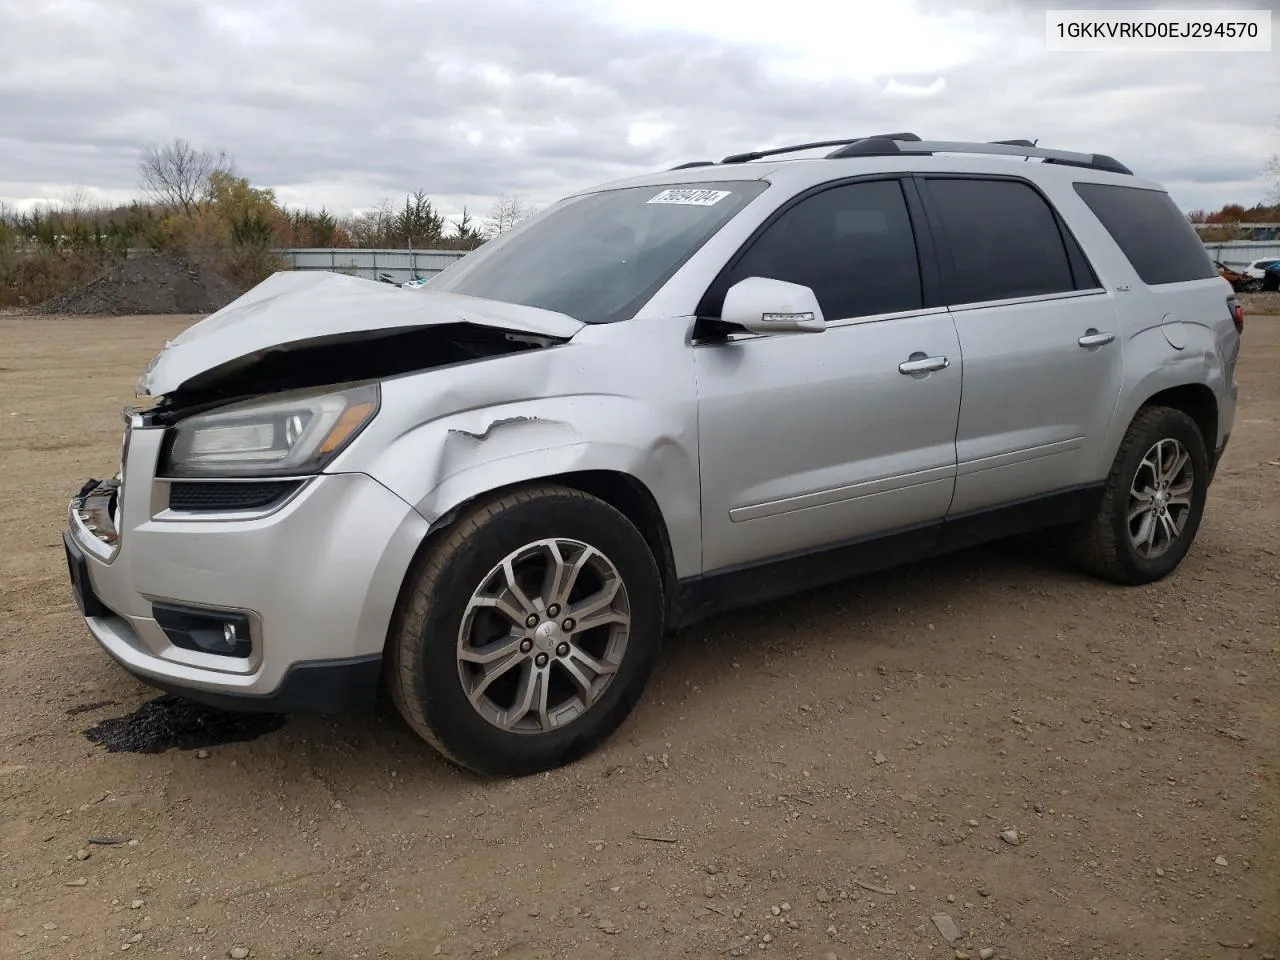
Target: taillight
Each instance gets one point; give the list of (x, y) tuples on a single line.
[(1237, 313)]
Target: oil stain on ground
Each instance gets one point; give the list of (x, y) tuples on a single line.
[(168, 723)]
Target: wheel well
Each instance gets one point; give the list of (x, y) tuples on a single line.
[(633, 500), (624, 493), (1196, 401)]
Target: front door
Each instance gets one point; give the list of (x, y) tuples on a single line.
[(811, 440)]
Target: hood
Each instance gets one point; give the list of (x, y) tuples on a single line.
[(304, 309)]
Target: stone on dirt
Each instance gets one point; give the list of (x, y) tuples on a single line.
[(946, 927)]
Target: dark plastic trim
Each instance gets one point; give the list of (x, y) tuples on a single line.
[(869, 147), (322, 686), (1216, 458), (78, 572), (1100, 162), (200, 629), (734, 587)]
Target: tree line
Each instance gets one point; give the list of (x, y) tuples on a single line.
[(193, 203), (1223, 224)]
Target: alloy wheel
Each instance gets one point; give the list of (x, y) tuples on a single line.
[(543, 636), (1160, 498)]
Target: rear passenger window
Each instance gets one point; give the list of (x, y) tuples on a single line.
[(852, 245), (1004, 238), (1151, 231)]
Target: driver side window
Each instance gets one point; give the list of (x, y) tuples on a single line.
[(852, 245)]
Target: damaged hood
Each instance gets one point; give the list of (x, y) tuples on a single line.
[(293, 310)]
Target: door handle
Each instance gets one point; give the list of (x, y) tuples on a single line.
[(922, 364), (1092, 338)]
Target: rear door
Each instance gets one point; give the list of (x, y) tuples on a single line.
[(1039, 336)]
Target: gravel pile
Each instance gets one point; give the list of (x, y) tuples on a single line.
[(147, 284)]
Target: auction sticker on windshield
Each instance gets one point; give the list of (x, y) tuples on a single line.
[(696, 198)]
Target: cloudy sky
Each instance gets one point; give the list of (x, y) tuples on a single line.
[(343, 102)]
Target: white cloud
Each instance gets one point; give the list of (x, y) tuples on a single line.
[(895, 89), (341, 103)]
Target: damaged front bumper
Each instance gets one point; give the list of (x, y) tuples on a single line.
[(283, 609)]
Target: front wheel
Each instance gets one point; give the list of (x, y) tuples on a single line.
[(526, 636), (1152, 503)]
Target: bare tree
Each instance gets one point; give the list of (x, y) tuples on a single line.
[(177, 175), (77, 202), (373, 227), (505, 214), (1272, 172)]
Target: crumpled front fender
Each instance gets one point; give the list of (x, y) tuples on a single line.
[(462, 457)]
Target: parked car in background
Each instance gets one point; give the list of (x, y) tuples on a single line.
[(1271, 277), (1258, 268), (1238, 279), (658, 399)]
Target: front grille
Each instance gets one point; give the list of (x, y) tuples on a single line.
[(225, 497)]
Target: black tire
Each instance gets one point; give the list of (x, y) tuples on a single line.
[(423, 664), (1102, 544)]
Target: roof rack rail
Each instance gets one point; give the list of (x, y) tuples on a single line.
[(887, 146), (795, 148)]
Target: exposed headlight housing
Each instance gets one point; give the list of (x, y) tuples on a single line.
[(291, 434)]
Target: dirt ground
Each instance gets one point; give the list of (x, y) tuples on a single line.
[(815, 778)]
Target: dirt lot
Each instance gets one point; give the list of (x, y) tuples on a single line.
[(815, 778)]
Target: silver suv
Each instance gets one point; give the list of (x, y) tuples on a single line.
[(656, 400)]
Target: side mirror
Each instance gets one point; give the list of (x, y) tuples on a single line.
[(762, 305)]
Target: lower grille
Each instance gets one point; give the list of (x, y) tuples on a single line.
[(225, 497)]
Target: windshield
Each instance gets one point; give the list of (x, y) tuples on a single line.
[(599, 257)]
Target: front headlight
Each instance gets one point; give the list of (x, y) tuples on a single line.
[(288, 435)]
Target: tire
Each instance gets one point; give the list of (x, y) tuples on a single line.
[(1105, 543), (449, 618)]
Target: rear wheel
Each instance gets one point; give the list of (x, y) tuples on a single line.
[(1153, 500), (528, 634)]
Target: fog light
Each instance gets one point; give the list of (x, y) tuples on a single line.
[(222, 632)]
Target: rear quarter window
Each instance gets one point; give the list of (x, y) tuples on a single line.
[(1151, 231)]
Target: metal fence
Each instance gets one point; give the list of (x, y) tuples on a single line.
[(401, 264), (405, 265), (1237, 252)]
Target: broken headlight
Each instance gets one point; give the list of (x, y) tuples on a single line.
[(287, 435)]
